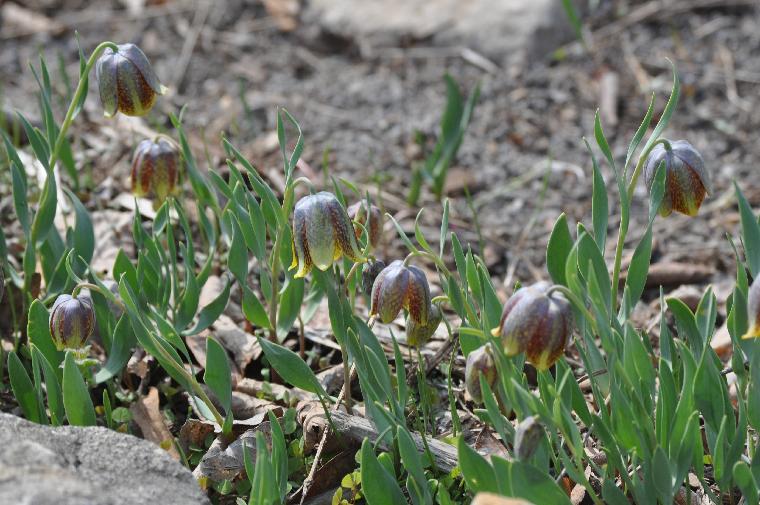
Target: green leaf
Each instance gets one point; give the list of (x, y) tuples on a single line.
[(599, 204), (291, 367), (746, 482), (378, 486), (23, 389), (43, 220), (750, 233), (636, 277), (662, 475), (76, 396), (254, 310), (38, 330), (667, 112), (410, 457), (612, 495), (217, 375), (589, 257), (686, 324), (601, 141), (237, 257), (188, 304), (557, 250), (20, 201), (122, 266), (52, 387), (444, 228), (211, 312), (121, 350), (84, 236), (534, 484), (402, 235), (639, 135), (478, 474), (290, 306)]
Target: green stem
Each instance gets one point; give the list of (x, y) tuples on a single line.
[(93, 287), (275, 268), (623, 229), (81, 88), (573, 298)]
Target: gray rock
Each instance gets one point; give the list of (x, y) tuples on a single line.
[(68, 465), (499, 28)]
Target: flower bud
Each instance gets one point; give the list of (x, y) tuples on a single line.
[(418, 333), (536, 323), (71, 321), (358, 212), (753, 310), (126, 81), (480, 362), (687, 181), (400, 286), (370, 272), (155, 169), (322, 232), (528, 435)]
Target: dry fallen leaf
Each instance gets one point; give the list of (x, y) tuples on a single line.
[(148, 416)]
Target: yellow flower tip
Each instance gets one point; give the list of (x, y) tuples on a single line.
[(752, 332), (495, 332)]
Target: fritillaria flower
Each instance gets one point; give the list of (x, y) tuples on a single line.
[(398, 287), (358, 212), (753, 310), (687, 181), (480, 362), (418, 333), (370, 272), (72, 321), (126, 81), (528, 435), (537, 323), (155, 168), (322, 232)]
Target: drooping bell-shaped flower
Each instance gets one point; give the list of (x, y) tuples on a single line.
[(753, 310), (480, 362), (369, 273), (398, 287), (687, 180), (126, 81), (72, 320), (417, 334), (322, 232), (528, 435), (537, 323), (358, 212), (155, 168)]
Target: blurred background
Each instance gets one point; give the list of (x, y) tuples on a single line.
[(365, 78)]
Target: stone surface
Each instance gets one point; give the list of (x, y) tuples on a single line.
[(41, 465), (498, 28)]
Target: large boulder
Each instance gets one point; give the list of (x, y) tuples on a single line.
[(68, 465)]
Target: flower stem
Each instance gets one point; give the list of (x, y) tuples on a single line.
[(81, 88), (623, 229)]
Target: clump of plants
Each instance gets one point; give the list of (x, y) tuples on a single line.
[(624, 420)]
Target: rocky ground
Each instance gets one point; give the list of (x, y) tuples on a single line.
[(362, 85), (365, 79)]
